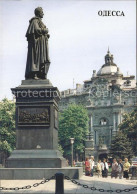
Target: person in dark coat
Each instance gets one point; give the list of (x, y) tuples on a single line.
[(104, 165), (120, 168), (115, 171)]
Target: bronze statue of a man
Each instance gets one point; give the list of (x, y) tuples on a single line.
[(38, 55)]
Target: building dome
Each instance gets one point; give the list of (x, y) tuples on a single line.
[(109, 68)]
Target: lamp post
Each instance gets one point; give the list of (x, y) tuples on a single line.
[(72, 142)]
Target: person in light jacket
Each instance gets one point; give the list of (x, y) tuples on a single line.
[(99, 168), (126, 167), (92, 164), (104, 165)]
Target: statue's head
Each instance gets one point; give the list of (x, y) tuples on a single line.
[(39, 12)]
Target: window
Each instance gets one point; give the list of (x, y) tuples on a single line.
[(127, 83), (103, 121)]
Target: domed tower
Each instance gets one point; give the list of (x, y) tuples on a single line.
[(109, 68), (109, 59)]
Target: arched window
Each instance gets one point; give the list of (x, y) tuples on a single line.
[(103, 121)]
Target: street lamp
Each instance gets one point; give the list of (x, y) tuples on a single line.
[(71, 141)]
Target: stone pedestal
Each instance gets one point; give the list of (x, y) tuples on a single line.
[(36, 126)]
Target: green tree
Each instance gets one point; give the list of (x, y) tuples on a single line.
[(121, 146), (7, 128), (60, 148), (129, 127), (73, 123)]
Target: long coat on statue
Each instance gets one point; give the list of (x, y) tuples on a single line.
[(38, 55)]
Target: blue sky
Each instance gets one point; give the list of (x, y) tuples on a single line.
[(79, 39)]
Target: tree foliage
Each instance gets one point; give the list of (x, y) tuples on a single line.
[(129, 127), (7, 127), (73, 123), (60, 148), (121, 146)]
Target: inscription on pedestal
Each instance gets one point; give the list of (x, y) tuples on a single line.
[(34, 115)]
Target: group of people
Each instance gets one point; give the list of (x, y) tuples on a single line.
[(118, 168)]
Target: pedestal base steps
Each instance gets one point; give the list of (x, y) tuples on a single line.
[(36, 159)]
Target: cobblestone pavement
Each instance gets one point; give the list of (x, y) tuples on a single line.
[(69, 187)]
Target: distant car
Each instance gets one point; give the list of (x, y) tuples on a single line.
[(134, 161)]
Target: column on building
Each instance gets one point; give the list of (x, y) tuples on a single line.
[(116, 121), (91, 123), (91, 127), (111, 132), (119, 118), (114, 124)]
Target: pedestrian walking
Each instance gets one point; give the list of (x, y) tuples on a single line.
[(99, 168), (120, 169), (114, 172), (92, 164), (126, 167), (87, 167), (104, 165)]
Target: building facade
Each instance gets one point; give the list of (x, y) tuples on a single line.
[(107, 96)]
